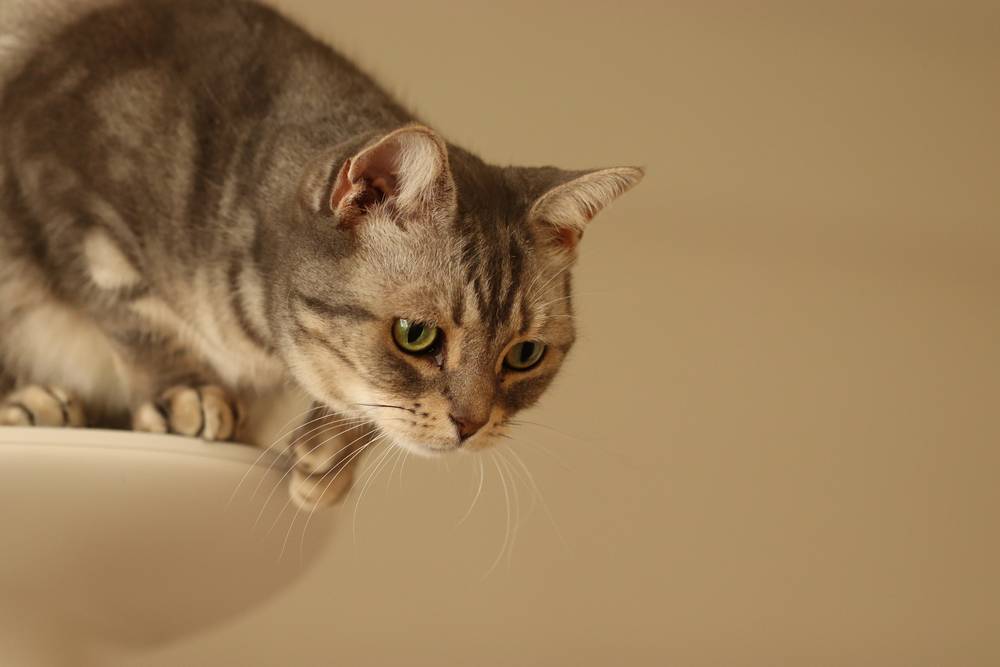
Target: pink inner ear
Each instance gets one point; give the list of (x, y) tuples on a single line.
[(376, 168), (567, 238), (342, 186), (358, 188)]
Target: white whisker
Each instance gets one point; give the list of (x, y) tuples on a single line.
[(395, 462), (406, 457), (330, 459), (506, 535), (538, 492), (475, 498), (264, 452), (356, 421), (558, 273), (517, 507), (342, 466), (376, 468), (291, 525)]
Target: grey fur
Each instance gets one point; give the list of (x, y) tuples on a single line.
[(166, 174)]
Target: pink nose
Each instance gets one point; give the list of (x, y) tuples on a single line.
[(467, 426)]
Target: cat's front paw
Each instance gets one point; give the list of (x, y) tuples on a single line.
[(204, 412), (325, 459), (316, 491), (35, 405)]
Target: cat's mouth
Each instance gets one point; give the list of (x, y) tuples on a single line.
[(422, 444), (424, 448), (415, 427)]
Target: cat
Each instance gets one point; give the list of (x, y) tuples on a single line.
[(203, 208)]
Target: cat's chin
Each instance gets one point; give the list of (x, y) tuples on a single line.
[(426, 450)]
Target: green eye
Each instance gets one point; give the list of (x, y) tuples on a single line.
[(524, 355), (414, 337)]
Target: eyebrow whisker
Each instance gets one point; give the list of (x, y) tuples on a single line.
[(382, 405)]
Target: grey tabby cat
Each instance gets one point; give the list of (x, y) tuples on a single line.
[(203, 207)]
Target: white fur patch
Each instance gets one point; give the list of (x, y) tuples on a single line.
[(108, 266), (59, 347)]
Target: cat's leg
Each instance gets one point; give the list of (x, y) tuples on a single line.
[(326, 452), (203, 411), (171, 390)]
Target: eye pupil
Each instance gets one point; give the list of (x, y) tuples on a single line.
[(525, 355), (527, 350), (415, 337)]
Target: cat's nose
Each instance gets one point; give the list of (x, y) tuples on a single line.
[(467, 426)]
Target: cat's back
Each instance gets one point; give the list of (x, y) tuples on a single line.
[(151, 105), (239, 58), (123, 124), (222, 43)]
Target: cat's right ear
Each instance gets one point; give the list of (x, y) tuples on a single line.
[(405, 172)]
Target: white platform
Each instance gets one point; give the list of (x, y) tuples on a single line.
[(115, 541)]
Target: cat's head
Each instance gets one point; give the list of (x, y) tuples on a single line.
[(431, 292)]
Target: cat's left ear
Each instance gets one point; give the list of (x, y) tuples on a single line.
[(571, 200), (406, 170)]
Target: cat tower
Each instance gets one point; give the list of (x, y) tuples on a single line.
[(115, 543)]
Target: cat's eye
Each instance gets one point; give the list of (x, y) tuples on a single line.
[(414, 337), (524, 355)]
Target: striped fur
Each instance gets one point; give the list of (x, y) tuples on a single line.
[(198, 194)]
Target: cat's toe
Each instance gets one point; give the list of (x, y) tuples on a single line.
[(204, 412), (312, 492), (36, 405), (149, 418), (218, 413), (13, 413)]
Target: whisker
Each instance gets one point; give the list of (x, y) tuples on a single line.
[(395, 463), (295, 517), (527, 290), (541, 496), (329, 459), (475, 498), (382, 405), (406, 457), (376, 469), (264, 452), (355, 421), (556, 300), (553, 277), (545, 450), (579, 293), (565, 434), (340, 420), (619, 457), (517, 507), (342, 466), (506, 535), (520, 475)]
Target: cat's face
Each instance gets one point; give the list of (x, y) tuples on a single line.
[(440, 317)]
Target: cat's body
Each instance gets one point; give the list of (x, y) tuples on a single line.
[(203, 207)]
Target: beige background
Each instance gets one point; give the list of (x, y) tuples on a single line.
[(779, 431)]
